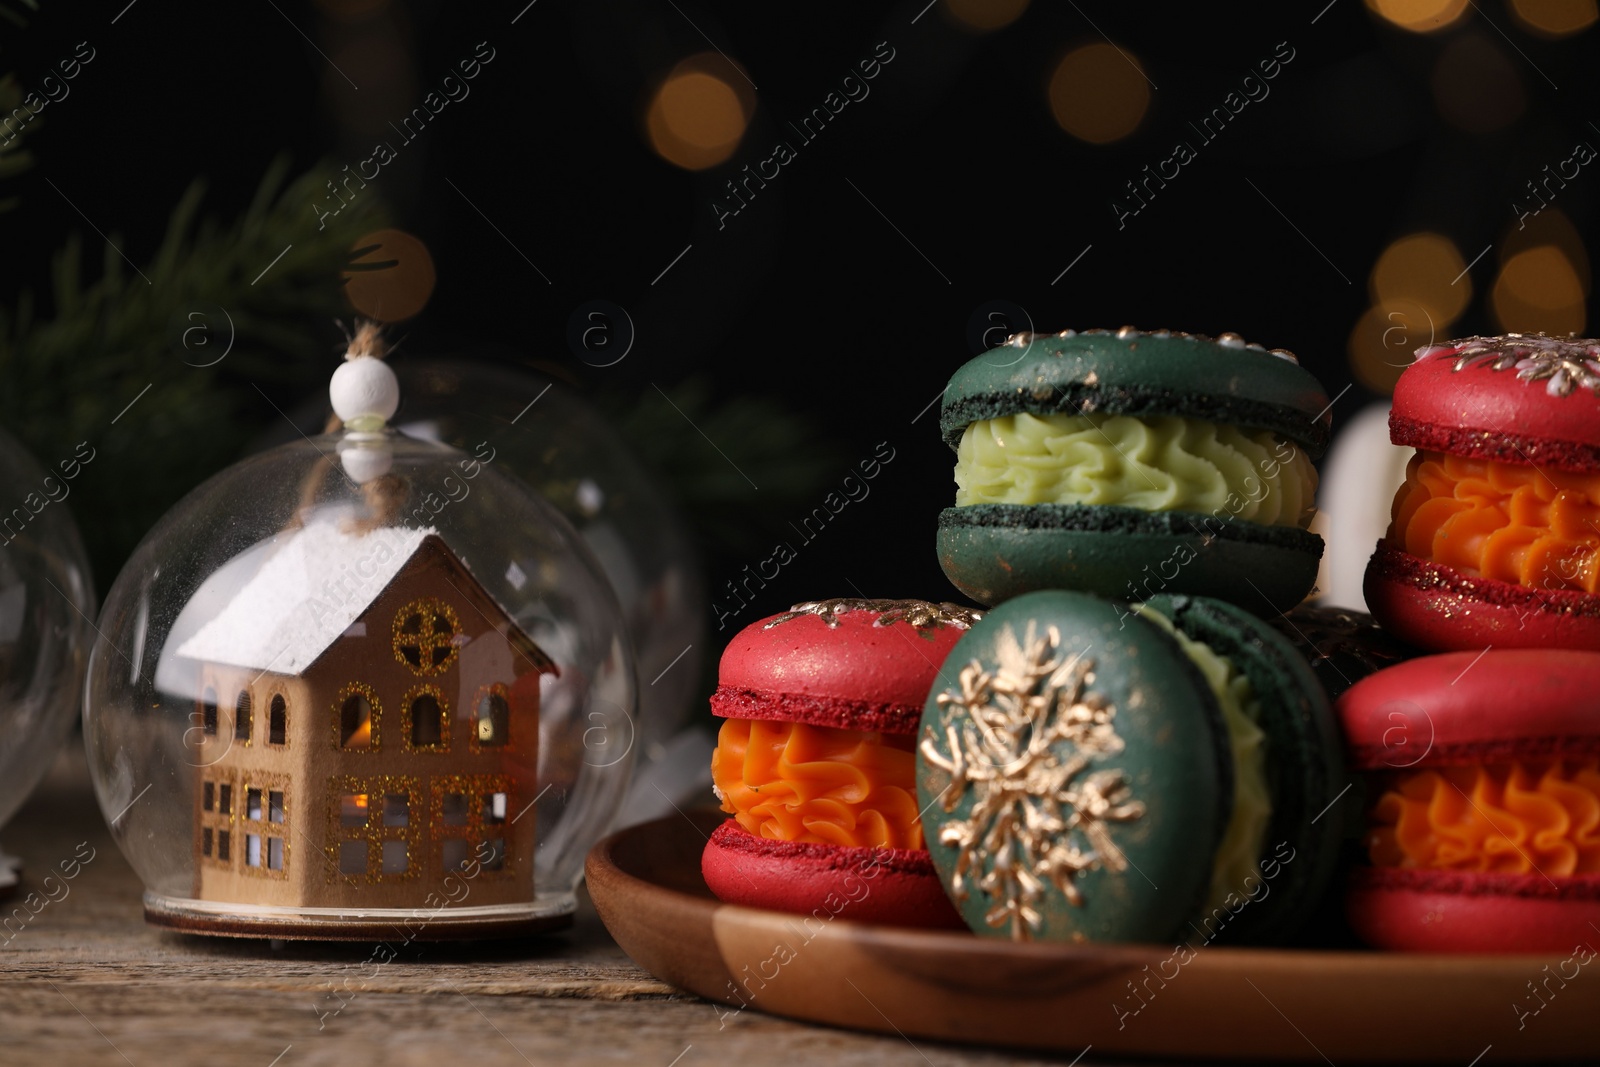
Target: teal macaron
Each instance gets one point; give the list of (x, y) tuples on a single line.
[(1130, 464), (1093, 770)]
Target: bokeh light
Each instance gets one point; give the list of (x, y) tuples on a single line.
[(985, 15), (1419, 16), (1549, 227), (390, 293), (1099, 94), (1385, 340), (1424, 268), (1555, 18), (700, 113), (1476, 86), (1539, 290)]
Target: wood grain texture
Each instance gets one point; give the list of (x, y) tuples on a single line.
[(86, 981), (1273, 1005)]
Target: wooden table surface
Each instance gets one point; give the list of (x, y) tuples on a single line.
[(86, 981)]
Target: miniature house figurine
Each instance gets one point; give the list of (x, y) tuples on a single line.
[(315, 707), (368, 718)]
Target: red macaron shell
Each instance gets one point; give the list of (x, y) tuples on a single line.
[(1454, 911), (897, 887), (1493, 412), (1436, 607), (841, 669), (1474, 708)]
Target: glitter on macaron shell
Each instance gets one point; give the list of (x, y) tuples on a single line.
[(1024, 339), (919, 614), (1561, 363)]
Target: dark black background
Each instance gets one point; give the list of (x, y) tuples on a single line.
[(852, 317)]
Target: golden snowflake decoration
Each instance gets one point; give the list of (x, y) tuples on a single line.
[(919, 613), (1562, 364), (1023, 738)]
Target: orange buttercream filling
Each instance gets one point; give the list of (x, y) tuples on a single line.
[(1518, 818), (791, 781), (1531, 526)]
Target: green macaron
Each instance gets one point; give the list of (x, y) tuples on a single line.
[(1092, 770), (1131, 464)]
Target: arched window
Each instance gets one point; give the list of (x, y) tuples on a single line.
[(427, 716), (241, 716), (356, 713), (278, 721), (492, 718)]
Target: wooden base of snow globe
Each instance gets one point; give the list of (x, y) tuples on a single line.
[(447, 923)]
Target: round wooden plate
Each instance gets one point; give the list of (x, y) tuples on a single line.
[(1120, 999)]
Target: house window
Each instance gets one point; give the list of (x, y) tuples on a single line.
[(426, 636), (397, 809), (426, 719), (241, 717), (353, 810), (471, 812), (396, 857), (491, 717), (278, 721), (373, 828), (216, 818), (208, 712), (264, 822), (356, 715)]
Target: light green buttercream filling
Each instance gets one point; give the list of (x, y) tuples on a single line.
[(1239, 855), (1160, 463)]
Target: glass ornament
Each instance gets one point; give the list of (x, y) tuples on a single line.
[(571, 454), (358, 687), (46, 604)]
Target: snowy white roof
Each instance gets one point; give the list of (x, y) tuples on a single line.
[(287, 599)]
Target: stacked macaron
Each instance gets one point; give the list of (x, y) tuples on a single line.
[(814, 761), (1148, 702), (1484, 763), (1494, 537), (1484, 830), (1130, 464)]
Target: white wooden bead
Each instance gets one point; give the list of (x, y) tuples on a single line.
[(364, 389)]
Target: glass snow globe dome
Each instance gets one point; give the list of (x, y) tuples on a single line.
[(46, 603), (361, 686)]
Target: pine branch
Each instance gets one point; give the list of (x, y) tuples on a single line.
[(67, 377)]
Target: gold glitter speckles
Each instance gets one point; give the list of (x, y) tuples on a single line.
[(425, 719), (919, 613), (491, 717), (357, 718), (425, 632), (1026, 339), (374, 828), (475, 809), (263, 814), (1020, 739)]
